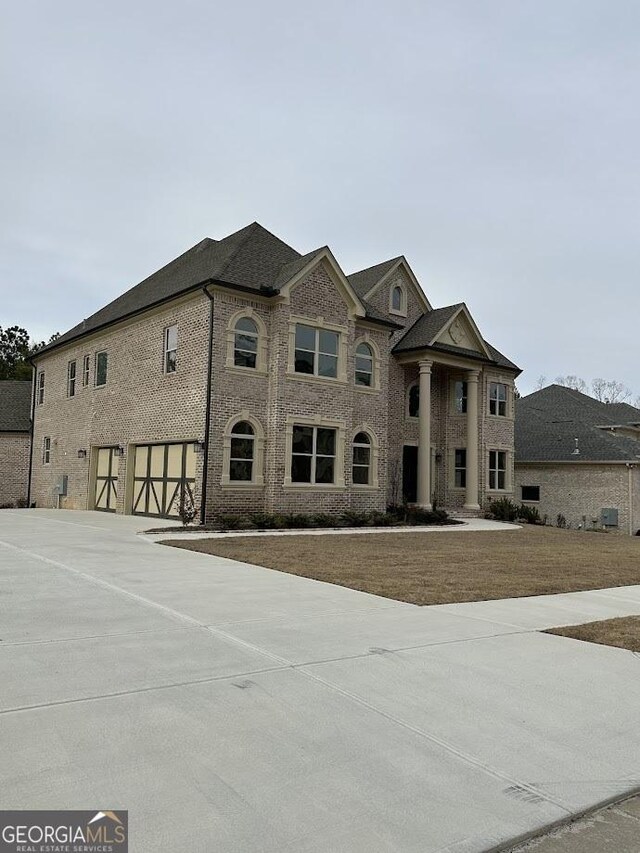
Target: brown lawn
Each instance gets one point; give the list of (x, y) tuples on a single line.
[(439, 568), (623, 633)]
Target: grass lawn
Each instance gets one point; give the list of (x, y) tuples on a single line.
[(444, 567), (623, 633)]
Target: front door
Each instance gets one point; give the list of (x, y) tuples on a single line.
[(161, 474), (410, 474), (106, 493)]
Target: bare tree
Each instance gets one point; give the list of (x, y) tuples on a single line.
[(574, 382), (541, 383), (610, 391)]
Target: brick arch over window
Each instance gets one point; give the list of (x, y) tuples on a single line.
[(243, 452), (362, 342), (365, 451), (243, 338)]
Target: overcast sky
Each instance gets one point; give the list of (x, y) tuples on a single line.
[(493, 143)]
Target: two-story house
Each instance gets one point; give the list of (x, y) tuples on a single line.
[(259, 379)]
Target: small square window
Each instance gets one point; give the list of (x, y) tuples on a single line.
[(498, 399), (316, 351), (530, 493)]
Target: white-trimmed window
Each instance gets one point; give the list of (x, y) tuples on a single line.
[(245, 343), (364, 365), (242, 453), (316, 351), (413, 400), (86, 365), (460, 468), (398, 300), (170, 347), (362, 462), (100, 370), (40, 388), (71, 379), (46, 450), (460, 396), (497, 470), (313, 455), (498, 399)]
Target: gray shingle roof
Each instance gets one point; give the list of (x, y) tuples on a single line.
[(549, 421), (363, 280), (15, 406), (251, 259), (425, 329)]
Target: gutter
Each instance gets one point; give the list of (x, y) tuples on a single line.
[(631, 468), (31, 429), (207, 415)]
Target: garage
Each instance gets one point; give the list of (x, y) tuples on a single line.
[(160, 474)]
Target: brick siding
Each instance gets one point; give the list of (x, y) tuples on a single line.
[(14, 466)]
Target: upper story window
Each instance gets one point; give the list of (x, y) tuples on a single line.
[(497, 470), (245, 344), (100, 370), (364, 365), (313, 455), (46, 450), (398, 300), (413, 400), (460, 397), (71, 379), (40, 388), (530, 493), (498, 399), (242, 456), (316, 351), (170, 358), (86, 361)]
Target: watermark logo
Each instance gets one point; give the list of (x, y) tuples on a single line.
[(64, 831)]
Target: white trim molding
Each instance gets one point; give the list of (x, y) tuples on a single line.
[(257, 470), (262, 352)]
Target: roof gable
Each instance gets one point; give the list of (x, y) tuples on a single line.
[(461, 331), (325, 257), (366, 282)]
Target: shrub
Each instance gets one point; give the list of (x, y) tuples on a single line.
[(383, 519), (397, 511), (231, 522), (266, 520), (297, 520), (355, 519), (416, 515), (21, 503), (6, 506), (504, 510), (186, 508), (561, 521), (323, 519), (529, 514)]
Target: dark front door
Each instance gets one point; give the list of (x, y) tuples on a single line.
[(410, 474)]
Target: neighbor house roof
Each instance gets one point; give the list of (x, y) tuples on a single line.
[(549, 421), (15, 406), (252, 259), (421, 334)]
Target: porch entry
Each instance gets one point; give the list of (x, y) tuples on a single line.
[(410, 473), (161, 472), (106, 485)]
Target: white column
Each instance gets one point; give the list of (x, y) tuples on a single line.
[(424, 436), (471, 497)]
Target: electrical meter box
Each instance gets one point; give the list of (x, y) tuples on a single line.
[(60, 485)]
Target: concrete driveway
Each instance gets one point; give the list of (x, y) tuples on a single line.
[(233, 708)]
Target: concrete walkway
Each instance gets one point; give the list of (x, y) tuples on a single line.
[(230, 707), (471, 525)]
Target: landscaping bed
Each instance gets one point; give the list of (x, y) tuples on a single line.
[(445, 567)]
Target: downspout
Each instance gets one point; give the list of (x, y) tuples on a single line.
[(207, 416), (31, 429), (630, 469)]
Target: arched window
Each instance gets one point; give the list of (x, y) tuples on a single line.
[(362, 459), (398, 300), (242, 456), (245, 346), (413, 400), (364, 365)]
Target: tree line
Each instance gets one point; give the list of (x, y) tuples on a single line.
[(16, 348), (603, 390)]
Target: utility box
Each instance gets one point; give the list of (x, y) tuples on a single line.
[(609, 517), (60, 485)]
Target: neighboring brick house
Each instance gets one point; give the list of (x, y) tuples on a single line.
[(327, 392), (15, 427), (579, 459)]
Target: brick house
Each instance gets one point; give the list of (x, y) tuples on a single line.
[(579, 459), (294, 386), (15, 428)]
